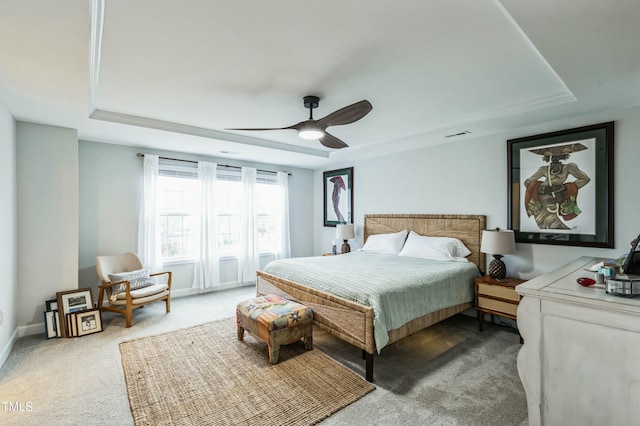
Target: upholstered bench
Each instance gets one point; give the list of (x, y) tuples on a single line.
[(275, 321)]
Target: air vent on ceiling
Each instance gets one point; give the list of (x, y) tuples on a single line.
[(453, 135)]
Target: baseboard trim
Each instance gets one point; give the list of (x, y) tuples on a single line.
[(31, 329), (193, 291), (8, 348)]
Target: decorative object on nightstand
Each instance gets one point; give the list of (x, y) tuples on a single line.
[(334, 247), (344, 232), (498, 242), (496, 297)]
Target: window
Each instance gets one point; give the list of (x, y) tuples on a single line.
[(229, 200), (177, 206), (179, 221)]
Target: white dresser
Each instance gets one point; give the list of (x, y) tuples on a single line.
[(580, 362)]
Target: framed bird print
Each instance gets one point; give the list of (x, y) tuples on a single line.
[(338, 196)]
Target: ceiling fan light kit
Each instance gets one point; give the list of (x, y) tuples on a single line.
[(310, 134), (316, 129)]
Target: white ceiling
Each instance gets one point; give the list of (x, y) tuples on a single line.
[(175, 74)]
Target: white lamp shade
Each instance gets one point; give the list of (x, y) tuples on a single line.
[(498, 241), (344, 231)]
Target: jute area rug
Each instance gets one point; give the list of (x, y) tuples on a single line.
[(204, 375)]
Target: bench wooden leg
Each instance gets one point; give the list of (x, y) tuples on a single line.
[(274, 353), (240, 333), (308, 342)]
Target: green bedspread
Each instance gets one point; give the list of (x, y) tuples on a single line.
[(398, 288)]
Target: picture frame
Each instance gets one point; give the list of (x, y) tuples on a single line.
[(52, 305), (338, 196), (51, 326), (88, 322), (72, 301), (561, 187), (71, 325)]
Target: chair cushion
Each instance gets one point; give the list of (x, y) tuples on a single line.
[(141, 300), (143, 292), (137, 279)]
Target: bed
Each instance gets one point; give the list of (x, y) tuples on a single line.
[(354, 322)]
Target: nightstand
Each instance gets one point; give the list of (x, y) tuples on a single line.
[(496, 297)]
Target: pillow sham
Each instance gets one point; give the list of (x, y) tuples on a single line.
[(385, 243), (137, 279), (436, 248)]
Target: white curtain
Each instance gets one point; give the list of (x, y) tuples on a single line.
[(284, 247), (207, 270), (149, 248), (248, 260)]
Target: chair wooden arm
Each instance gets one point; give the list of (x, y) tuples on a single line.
[(169, 275), (106, 286)]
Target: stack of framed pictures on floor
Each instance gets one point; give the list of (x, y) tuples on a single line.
[(72, 314)]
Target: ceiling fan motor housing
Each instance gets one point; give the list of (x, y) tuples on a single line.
[(311, 101)]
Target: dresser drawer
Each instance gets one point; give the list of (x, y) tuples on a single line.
[(507, 293), (497, 306)]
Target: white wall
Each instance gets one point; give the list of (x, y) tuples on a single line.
[(110, 193), (470, 177), (47, 182), (8, 239)]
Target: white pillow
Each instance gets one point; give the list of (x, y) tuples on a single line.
[(385, 243), (436, 248), (137, 279)]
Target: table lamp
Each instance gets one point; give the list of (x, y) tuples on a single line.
[(498, 242), (344, 232)]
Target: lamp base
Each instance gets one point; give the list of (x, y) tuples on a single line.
[(497, 268), (345, 247)]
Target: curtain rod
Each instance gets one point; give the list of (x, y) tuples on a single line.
[(223, 165)]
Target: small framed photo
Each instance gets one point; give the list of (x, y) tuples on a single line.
[(52, 305), (88, 322), (72, 301), (51, 328), (338, 196)]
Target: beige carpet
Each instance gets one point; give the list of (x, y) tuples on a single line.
[(204, 375)]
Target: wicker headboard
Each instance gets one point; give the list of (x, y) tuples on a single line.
[(466, 228)]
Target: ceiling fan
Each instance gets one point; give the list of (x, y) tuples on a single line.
[(316, 129)]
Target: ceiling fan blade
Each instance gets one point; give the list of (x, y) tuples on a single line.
[(262, 128), (331, 141), (346, 115), (297, 126)]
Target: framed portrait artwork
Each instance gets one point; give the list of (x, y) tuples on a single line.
[(338, 196), (561, 187), (72, 301)]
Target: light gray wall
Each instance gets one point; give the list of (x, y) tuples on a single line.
[(8, 233), (64, 221), (470, 177), (110, 193), (47, 182)]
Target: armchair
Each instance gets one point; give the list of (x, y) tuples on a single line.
[(128, 285)]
